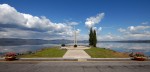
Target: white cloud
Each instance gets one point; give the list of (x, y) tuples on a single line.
[(135, 32), (129, 33), (131, 28), (121, 30), (109, 37), (81, 37), (95, 28), (136, 28), (143, 36), (17, 33), (10, 16), (78, 31), (145, 23), (72, 23), (99, 29), (12, 32), (91, 21)]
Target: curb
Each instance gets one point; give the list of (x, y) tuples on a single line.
[(43, 59), (109, 59), (47, 59), (74, 59), (113, 59)]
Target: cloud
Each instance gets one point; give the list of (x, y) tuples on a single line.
[(72, 23), (134, 29), (109, 37), (8, 15), (99, 29), (78, 31), (13, 21), (129, 33), (81, 37), (145, 23), (95, 28), (13, 32), (17, 33), (91, 21), (121, 30), (135, 32)]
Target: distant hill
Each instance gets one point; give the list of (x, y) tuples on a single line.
[(123, 41), (60, 41), (17, 41), (130, 41)]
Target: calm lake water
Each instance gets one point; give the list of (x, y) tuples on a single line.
[(120, 47)]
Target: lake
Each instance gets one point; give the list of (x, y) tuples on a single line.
[(120, 47)]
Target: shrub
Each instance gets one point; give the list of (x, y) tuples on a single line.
[(10, 56), (63, 45), (138, 56), (29, 52), (75, 45)]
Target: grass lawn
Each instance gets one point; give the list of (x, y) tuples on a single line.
[(105, 53), (46, 53)]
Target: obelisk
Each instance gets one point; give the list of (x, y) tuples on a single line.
[(75, 37)]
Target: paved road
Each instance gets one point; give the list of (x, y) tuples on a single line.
[(102, 66)]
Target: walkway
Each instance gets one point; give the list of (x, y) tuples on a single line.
[(76, 52)]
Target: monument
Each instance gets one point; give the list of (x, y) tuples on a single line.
[(75, 38)]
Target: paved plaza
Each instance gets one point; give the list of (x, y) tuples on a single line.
[(77, 52)]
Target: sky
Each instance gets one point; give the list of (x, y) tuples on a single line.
[(57, 19)]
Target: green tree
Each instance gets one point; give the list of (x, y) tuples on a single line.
[(94, 38), (91, 37)]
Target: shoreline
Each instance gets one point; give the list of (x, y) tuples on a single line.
[(76, 59), (67, 47)]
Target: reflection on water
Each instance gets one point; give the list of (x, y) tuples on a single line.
[(23, 48), (120, 47), (127, 47)]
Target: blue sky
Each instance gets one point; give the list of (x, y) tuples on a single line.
[(54, 19)]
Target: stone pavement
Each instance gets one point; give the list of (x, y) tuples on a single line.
[(76, 52)]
